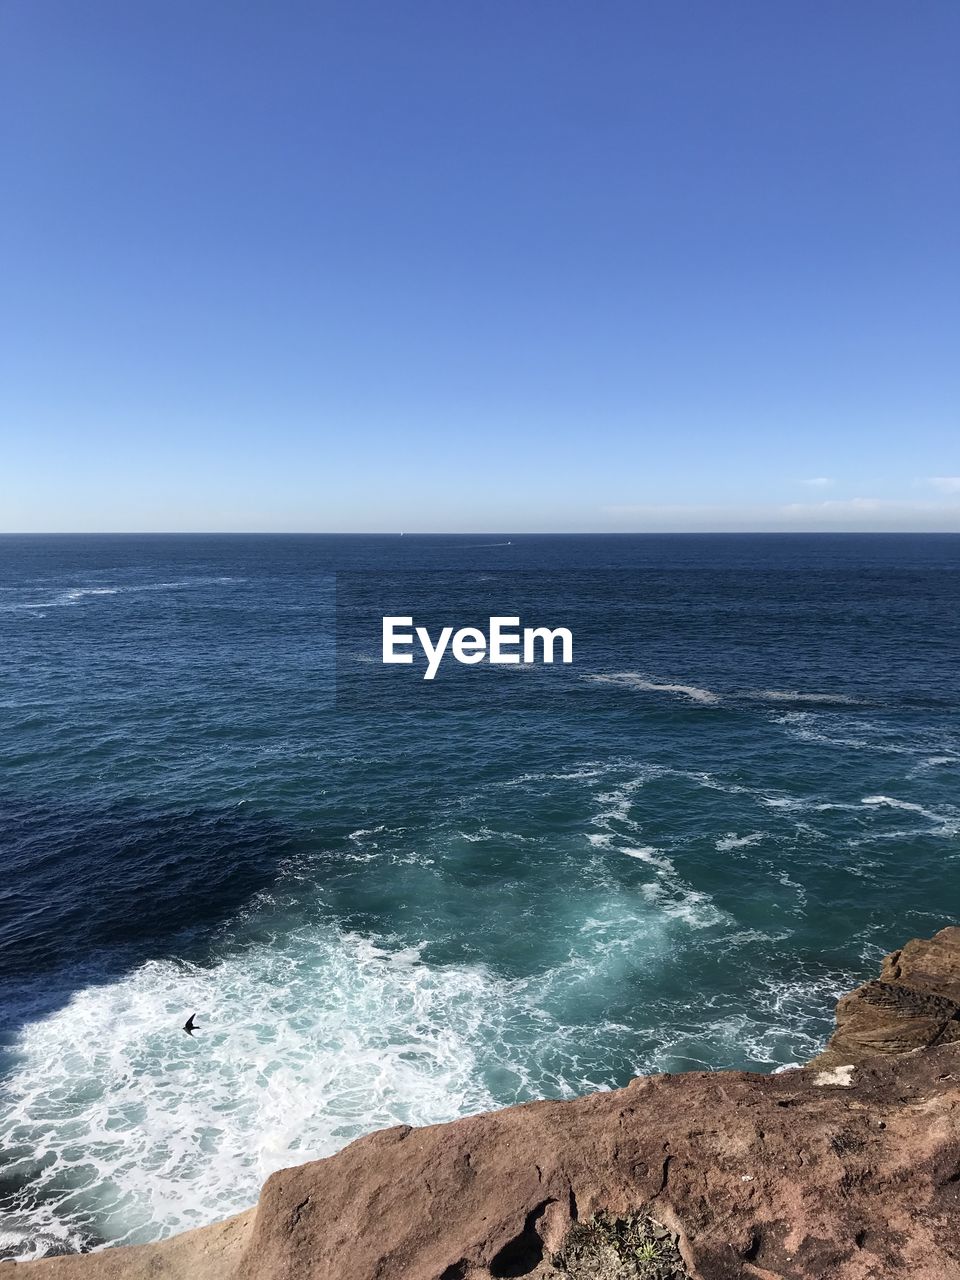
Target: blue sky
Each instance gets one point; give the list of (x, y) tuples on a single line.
[(476, 265)]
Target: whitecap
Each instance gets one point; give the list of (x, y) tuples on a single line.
[(633, 680), (795, 695), (478, 837), (692, 907), (75, 595), (809, 726), (890, 802), (933, 762), (651, 856), (731, 841)]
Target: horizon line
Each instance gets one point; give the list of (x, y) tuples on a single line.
[(477, 533)]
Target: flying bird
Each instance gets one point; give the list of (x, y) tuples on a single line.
[(190, 1026)]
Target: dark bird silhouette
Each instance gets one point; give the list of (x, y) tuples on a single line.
[(190, 1026)]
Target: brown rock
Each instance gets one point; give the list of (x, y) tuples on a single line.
[(832, 1172), (915, 1004)]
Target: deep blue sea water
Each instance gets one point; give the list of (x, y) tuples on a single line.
[(675, 854)]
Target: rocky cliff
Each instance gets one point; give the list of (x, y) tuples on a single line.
[(848, 1169)]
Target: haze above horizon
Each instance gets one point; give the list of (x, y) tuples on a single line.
[(363, 267)]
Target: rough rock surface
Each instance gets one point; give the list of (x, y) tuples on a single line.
[(848, 1169), (914, 1004)]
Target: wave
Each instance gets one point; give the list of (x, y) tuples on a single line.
[(75, 595), (793, 695), (633, 680), (933, 762), (731, 841), (668, 894), (693, 907), (367, 831), (304, 1045), (783, 1017), (570, 775), (306, 1041), (709, 697), (650, 855), (890, 802), (947, 824), (805, 726)]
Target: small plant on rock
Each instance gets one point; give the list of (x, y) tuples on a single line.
[(635, 1247)]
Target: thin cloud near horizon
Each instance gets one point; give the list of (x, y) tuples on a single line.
[(861, 513)]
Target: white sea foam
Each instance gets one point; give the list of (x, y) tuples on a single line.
[(795, 695), (731, 841), (712, 783), (804, 804), (945, 824), (320, 1035), (791, 1016), (800, 891), (76, 595), (124, 1120), (132, 1130), (653, 857), (908, 806), (478, 837), (694, 908), (829, 730), (641, 683), (933, 762), (570, 775), (669, 894), (617, 803), (128, 1128), (600, 839)]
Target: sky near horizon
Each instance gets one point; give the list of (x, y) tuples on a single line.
[(446, 265)]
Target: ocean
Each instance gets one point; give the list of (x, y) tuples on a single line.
[(402, 902)]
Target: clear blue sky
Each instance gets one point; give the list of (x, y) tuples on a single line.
[(477, 265)]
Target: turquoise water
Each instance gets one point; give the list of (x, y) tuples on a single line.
[(675, 854)]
